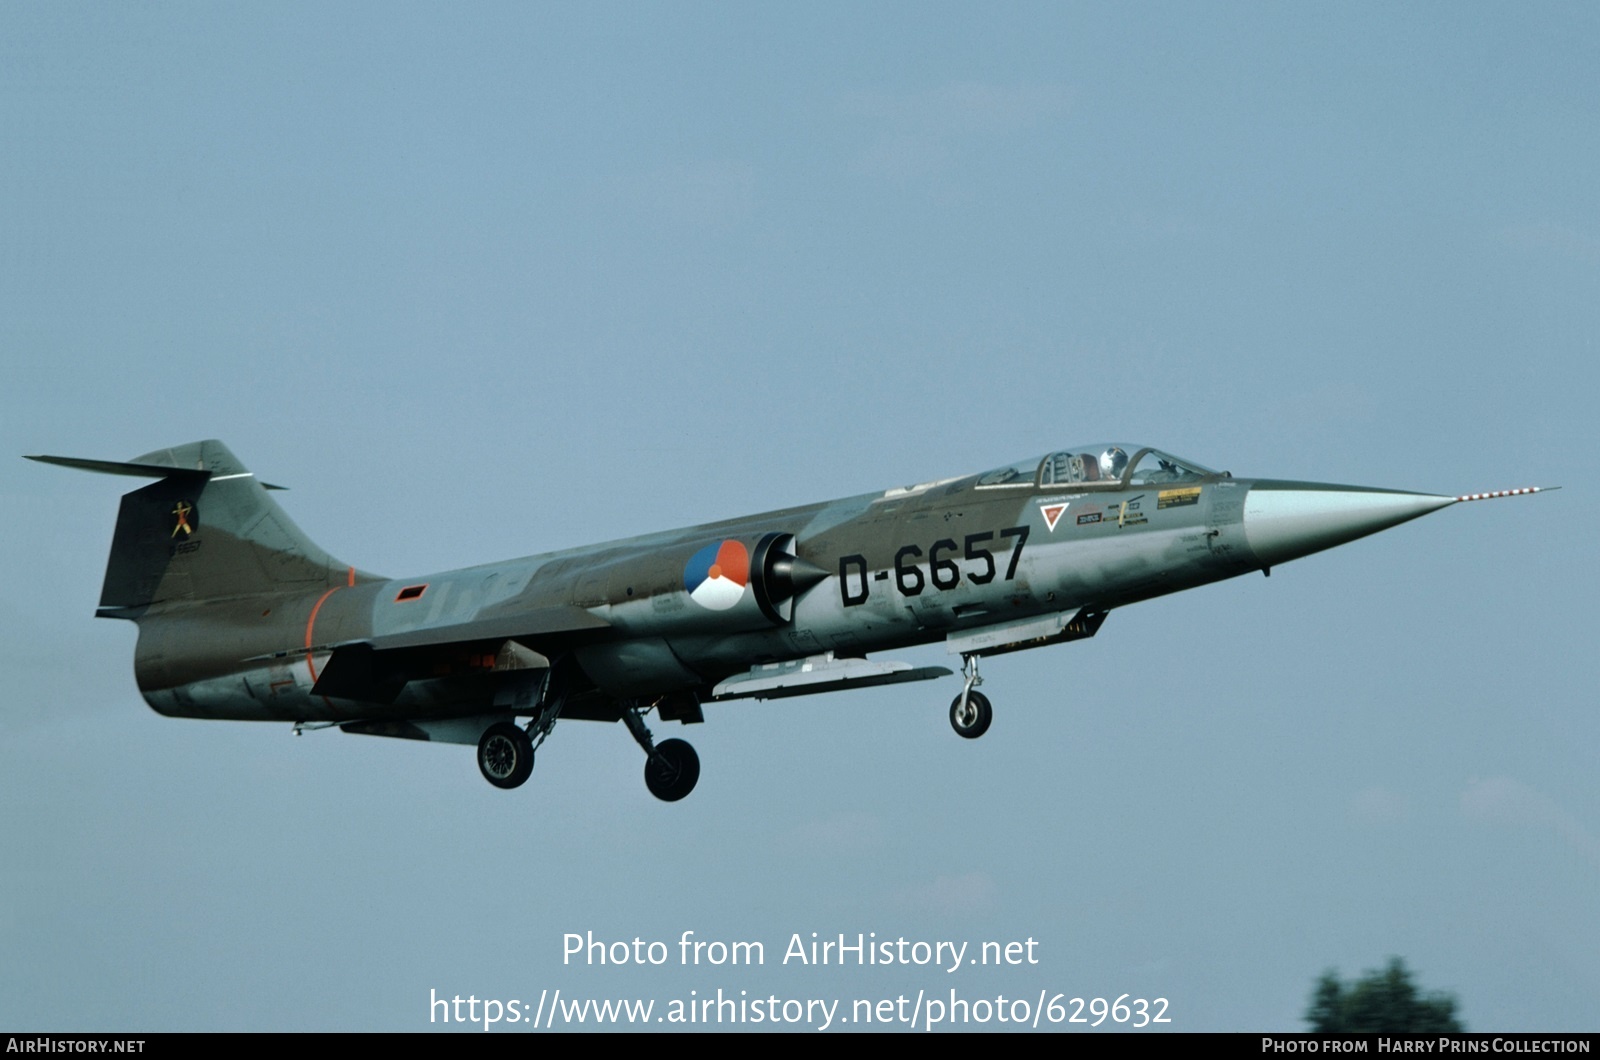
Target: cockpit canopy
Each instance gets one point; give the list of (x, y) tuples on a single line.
[(1088, 467)]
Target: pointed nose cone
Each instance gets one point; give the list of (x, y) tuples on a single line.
[(1287, 520)]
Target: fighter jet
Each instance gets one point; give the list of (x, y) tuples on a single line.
[(242, 617)]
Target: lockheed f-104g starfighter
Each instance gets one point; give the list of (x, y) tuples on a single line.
[(242, 617)]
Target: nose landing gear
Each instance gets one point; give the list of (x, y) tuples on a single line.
[(970, 712)]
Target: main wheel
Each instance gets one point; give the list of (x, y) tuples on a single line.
[(671, 773), (505, 755), (974, 721)]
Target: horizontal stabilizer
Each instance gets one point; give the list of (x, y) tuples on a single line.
[(118, 467), (820, 673), (123, 467)]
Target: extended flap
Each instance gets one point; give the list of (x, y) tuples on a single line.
[(376, 669)]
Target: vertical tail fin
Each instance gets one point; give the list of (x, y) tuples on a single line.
[(207, 529)]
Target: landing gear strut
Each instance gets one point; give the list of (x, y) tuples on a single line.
[(971, 713), (671, 769)]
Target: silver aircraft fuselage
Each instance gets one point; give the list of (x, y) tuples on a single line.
[(242, 617)]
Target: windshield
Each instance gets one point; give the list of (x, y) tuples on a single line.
[(1153, 466), (1104, 466)]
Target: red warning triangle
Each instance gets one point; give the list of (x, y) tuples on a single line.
[(1052, 514)]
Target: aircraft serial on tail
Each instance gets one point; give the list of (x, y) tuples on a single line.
[(242, 617)]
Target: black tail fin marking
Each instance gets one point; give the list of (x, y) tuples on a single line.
[(206, 530)]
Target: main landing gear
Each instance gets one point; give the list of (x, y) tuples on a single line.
[(970, 712), (505, 755), (672, 768), (505, 752)]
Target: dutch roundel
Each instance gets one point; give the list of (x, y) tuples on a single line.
[(716, 575)]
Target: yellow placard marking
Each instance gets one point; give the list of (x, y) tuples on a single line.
[(1177, 498)]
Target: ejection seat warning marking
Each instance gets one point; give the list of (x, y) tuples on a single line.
[(1177, 498)]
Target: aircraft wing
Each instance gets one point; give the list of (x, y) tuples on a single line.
[(374, 669), (524, 625)]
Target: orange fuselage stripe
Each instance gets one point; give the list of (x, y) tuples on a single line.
[(311, 622)]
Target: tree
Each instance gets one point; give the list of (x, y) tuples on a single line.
[(1380, 1002)]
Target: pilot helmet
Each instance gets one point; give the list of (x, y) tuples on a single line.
[(1113, 462)]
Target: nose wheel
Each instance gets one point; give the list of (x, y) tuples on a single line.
[(970, 712), (970, 715)]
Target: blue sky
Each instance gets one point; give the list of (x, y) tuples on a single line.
[(481, 281)]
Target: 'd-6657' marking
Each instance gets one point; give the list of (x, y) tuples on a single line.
[(943, 570)]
